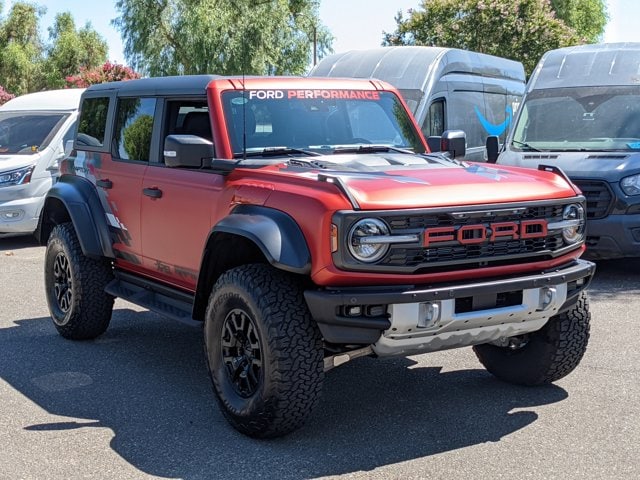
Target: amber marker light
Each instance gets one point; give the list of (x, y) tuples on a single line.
[(334, 238)]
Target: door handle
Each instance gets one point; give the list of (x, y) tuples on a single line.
[(106, 183), (153, 192)]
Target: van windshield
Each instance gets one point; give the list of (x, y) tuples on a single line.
[(317, 120), (580, 119), (26, 133)]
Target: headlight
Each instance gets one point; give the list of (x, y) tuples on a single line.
[(574, 223), (363, 244), (631, 185), (16, 177)]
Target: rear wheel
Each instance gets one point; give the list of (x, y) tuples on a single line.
[(544, 356), (75, 287), (264, 352)]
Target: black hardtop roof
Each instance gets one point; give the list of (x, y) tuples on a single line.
[(185, 84)]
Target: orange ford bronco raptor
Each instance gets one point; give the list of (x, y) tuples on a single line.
[(302, 223)]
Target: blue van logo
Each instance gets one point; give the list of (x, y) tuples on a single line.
[(492, 129)]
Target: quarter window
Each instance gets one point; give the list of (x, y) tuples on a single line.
[(93, 122), (434, 121), (134, 127)]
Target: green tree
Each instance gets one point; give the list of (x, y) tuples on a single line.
[(519, 29), (587, 17), (71, 50), (175, 37), (20, 48)]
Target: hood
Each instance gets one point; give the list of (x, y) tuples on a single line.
[(609, 166), (414, 181), (13, 162)]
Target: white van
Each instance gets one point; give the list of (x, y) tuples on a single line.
[(581, 113), (445, 88), (33, 131)]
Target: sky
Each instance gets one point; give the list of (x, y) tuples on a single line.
[(355, 24)]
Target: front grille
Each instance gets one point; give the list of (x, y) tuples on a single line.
[(490, 236), (599, 197), (417, 257)]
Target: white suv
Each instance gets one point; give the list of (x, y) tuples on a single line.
[(33, 131)]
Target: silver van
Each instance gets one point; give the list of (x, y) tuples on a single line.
[(581, 113), (33, 131), (445, 88)]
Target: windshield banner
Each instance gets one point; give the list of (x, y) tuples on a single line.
[(314, 94)]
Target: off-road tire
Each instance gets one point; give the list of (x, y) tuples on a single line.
[(75, 287), (263, 309), (548, 355)]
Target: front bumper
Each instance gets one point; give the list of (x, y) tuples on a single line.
[(20, 206), (466, 313)]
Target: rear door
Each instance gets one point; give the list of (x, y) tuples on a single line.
[(118, 179)]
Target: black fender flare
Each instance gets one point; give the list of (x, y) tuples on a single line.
[(275, 233), (80, 198)]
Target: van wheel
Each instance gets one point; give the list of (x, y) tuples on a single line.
[(544, 356), (263, 350), (75, 287)]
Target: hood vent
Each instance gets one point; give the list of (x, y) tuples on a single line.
[(547, 156), (608, 156)]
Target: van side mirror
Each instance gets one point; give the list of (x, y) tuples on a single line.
[(454, 142), (433, 142), (187, 151), (493, 147)]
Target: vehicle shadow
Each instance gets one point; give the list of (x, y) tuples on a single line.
[(145, 379), (17, 242)]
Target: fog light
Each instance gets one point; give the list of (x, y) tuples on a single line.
[(354, 311), (11, 215)]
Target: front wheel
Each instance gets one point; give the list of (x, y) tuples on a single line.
[(264, 352), (544, 356), (75, 286)]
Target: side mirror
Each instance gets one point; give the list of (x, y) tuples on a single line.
[(187, 151), (433, 142), (454, 142), (493, 146)]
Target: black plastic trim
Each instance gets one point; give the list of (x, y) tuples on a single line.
[(276, 234), (81, 200), (160, 298)]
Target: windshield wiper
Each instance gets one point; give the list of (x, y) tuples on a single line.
[(525, 146), (370, 149), (275, 152)]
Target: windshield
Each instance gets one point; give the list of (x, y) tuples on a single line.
[(25, 133), (317, 120), (580, 119)]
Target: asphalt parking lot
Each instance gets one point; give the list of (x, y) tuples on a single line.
[(136, 403)]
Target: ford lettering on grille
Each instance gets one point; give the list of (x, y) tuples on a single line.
[(486, 232)]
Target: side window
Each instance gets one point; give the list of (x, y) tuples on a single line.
[(134, 126), (188, 118), (93, 122), (433, 124)]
